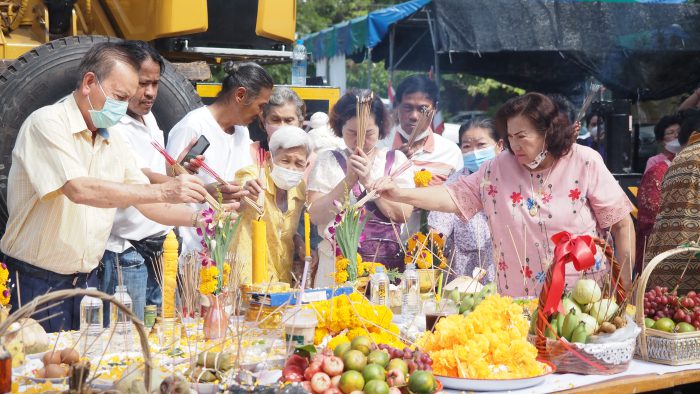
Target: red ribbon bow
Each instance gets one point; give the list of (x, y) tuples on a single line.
[(581, 250)]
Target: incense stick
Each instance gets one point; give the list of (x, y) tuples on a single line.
[(424, 120), (362, 111), (180, 170)]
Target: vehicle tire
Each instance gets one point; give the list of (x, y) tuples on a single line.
[(46, 73)]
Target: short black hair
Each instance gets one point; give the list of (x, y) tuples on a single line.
[(102, 57), (479, 123), (417, 84), (248, 75), (663, 124), (346, 109), (142, 52), (690, 124)]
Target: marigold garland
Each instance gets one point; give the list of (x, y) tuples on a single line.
[(490, 343), (364, 268), (426, 251), (357, 316), (4, 290)]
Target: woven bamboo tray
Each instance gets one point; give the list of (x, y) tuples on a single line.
[(28, 309), (660, 346)]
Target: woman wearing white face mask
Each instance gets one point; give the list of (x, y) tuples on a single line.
[(346, 173), (666, 133), (284, 192), (542, 185), (480, 143)]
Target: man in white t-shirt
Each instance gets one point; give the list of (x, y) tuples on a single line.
[(243, 93), (135, 240), (431, 151)]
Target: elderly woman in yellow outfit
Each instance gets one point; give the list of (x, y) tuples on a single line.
[(284, 193)]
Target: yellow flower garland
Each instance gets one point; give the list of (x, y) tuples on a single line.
[(358, 316), (490, 343)]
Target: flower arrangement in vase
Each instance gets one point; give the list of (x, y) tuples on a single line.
[(216, 230), (346, 233)]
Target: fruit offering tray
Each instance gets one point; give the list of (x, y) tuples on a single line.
[(669, 321)]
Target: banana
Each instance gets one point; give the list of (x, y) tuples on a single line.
[(570, 323), (579, 335), (467, 303), (560, 323), (533, 324), (549, 334)]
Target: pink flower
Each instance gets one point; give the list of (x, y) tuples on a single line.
[(3, 266), (362, 238), (338, 252), (492, 191), (546, 198), (331, 230), (574, 194), (502, 266), (527, 272), (338, 218), (208, 215), (5, 293)]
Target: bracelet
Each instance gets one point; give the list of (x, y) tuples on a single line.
[(195, 217)]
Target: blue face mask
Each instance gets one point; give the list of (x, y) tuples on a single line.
[(474, 159), (111, 112)]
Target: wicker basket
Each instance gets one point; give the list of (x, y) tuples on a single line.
[(587, 359), (659, 346), (49, 298)]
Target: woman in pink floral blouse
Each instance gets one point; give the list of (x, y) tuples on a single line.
[(543, 183)]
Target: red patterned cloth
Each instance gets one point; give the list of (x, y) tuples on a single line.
[(648, 202)]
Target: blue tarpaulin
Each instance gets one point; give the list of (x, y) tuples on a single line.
[(358, 34)]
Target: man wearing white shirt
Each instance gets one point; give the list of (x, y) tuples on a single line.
[(244, 92), (135, 240), (431, 151)]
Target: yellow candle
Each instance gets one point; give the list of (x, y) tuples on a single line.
[(259, 251), (307, 233), (169, 275)]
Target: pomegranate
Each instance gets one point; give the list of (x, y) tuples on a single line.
[(292, 373), (335, 380)]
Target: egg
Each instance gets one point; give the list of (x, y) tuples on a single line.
[(55, 371), (51, 357), (70, 356)]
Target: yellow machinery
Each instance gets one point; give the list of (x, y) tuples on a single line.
[(25, 24)]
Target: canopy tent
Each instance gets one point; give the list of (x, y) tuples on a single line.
[(638, 50)]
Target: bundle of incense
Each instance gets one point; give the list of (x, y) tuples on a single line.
[(169, 275), (362, 110), (587, 101), (372, 194), (424, 120), (180, 170)]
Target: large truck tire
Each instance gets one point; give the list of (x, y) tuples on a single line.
[(49, 72)]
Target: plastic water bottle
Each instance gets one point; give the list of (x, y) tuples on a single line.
[(91, 325), (299, 64), (410, 291), (379, 290), (119, 322)]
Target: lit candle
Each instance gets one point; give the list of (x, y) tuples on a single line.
[(259, 252), (307, 233), (169, 274)]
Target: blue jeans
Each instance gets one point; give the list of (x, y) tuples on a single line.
[(35, 282), (134, 276)]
